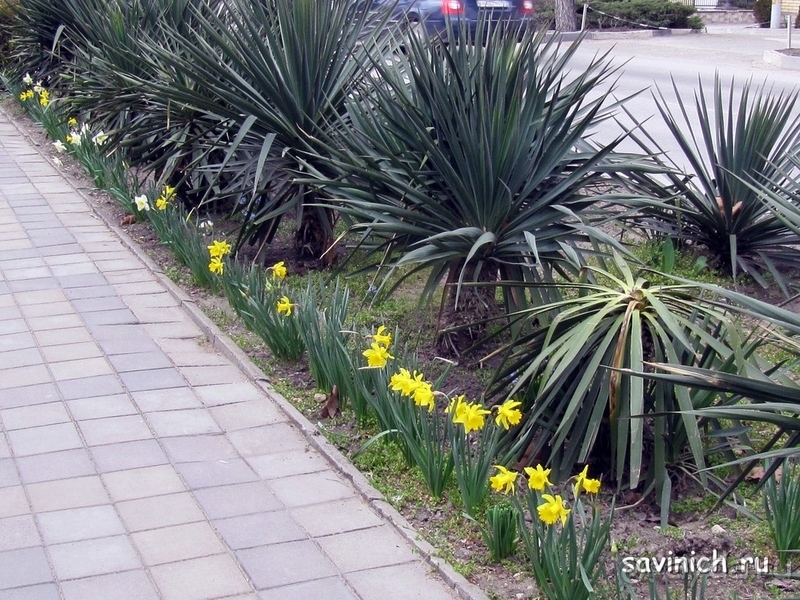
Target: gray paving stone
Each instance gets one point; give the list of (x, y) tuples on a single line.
[(67, 493), (79, 281), (366, 549), (234, 500), (33, 285), (98, 291), (55, 465), (129, 585), (72, 351), (335, 517), (50, 308), (17, 341), (284, 464), (418, 583), (143, 482), (245, 415), (152, 379), (330, 588), (13, 501), (23, 377), (171, 399), (21, 358), (216, 472), (18, 532), (121, 316), (193, 421), (46, 591), (90, 387), (200, 578), (117, 405), (260, 529), (59, 337), (93, 557), (8, 473), (47, 438), (36, 570), (113, 430), (181, 542), (98, 304), (199, 448), (140, 361), (281, 437), (11, 326), (128, 455), (80, 368), (227, 393), (294, 491), (159, 511), (65, 321), (75, 524), (28, 395), (278, 564), (212, 375), (34, 416)]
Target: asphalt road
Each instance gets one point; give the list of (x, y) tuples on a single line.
[(649, 65)]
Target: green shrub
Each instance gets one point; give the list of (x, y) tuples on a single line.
[(762, 11), (643, 14)]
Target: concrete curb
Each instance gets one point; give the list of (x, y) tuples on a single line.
[(463, 588), (782, 61)]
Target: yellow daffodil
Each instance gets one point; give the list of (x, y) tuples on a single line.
[(161, 203), (44, 97), (424, 396), (100, 138), (456, 405), (471, 415), (538, 478), (508, 415), (168, 192), (278, 270), (377, 355), (72, 122), (216, 265), (141, 202), (504, 480), (284, 306), (552, 510), (59, 146), (26, 95), (218, 249), (27, 80), (592, 486), (382, 338), (404, 382)]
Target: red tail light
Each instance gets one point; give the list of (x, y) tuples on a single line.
[(527, 7), (452, 7)]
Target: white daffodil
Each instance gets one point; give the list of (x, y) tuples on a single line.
[(38, 87), (57, 161), (27, 80), (59, 145), (100, 138), (141, 202)]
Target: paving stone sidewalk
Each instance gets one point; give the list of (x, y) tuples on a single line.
[(136, 461)]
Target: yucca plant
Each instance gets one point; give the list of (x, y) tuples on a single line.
[(470, 162), (282, 69), (739, 147), (575, 408)]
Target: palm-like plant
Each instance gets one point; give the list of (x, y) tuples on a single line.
[(279, 70), (620, 321), (739, 146), (470, 162)]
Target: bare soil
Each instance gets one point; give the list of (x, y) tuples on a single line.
[(692, 533)]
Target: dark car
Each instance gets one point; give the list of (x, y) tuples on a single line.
[(436, 15)]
